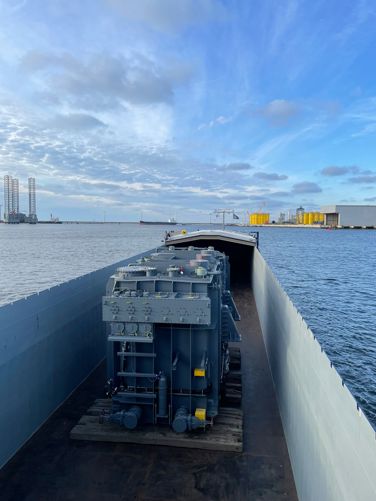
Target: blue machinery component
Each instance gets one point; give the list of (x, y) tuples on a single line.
[(171, 316), (128, 418)]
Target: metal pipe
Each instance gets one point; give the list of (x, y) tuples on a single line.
[(137, 374), (175, 362), (162, 396), (203, 360)]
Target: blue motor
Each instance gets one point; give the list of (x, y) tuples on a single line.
[(129, 419)]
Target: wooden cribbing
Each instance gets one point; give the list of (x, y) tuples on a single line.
[(225, 435)]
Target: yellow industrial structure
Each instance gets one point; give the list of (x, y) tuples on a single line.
[(259, 218), (302, 218), (313, 218)]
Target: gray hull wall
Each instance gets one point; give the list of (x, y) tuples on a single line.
[(331, 444), (49, 343)]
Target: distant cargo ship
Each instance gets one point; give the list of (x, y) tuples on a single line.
[(170, 221), (50, 222)]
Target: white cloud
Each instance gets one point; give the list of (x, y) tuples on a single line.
[(306, 187), (284, 17), (335, 170), (269, 176), (170, 16), (279, 111), (105, 81), (362, 12), (220, 120), (76, 121)]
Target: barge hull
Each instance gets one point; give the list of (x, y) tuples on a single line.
[(49, 343), (331, 443)]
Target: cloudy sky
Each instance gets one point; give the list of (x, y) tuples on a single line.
[(177, 107)]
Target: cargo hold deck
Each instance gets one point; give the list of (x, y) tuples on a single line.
[(51, 466)]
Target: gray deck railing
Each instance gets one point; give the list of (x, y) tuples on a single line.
[(331, 444)]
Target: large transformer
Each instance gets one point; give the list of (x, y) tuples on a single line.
[(171, 316)]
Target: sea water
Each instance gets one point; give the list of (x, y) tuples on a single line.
[(329, 275)]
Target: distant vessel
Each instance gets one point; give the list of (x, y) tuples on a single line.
[(52, 220), (172, 220)]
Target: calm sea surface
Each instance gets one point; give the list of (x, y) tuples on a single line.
[(329, 275)]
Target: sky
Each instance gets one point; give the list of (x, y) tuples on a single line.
[(123, 109)]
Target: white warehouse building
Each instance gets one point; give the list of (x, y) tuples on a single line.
[(349, 216)]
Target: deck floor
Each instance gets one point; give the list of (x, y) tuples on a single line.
[(51, 466)]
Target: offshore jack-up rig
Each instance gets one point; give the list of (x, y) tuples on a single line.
[(170, 318)]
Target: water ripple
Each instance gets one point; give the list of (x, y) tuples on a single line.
[(330, 277)]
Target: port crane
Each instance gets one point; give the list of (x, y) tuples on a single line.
[(223, 212)]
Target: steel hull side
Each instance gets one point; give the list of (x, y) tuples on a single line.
[(331, 444), (50, 342)]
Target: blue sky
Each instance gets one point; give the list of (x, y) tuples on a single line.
[(178, 107)]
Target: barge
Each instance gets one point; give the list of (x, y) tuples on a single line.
[(304, 435)]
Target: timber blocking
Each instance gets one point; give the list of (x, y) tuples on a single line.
[(225, 435)]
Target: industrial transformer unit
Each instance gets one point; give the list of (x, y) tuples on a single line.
[(171, 316)]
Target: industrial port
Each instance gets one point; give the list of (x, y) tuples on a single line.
[(330, 216)]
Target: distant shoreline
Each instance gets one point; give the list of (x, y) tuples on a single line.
[(251, 227)]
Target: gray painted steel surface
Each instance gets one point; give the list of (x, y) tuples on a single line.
[(331, 444), (49, 343), (353, 215), (212, 235), (170, 318)]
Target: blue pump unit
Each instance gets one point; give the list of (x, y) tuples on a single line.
[(170, 318)]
